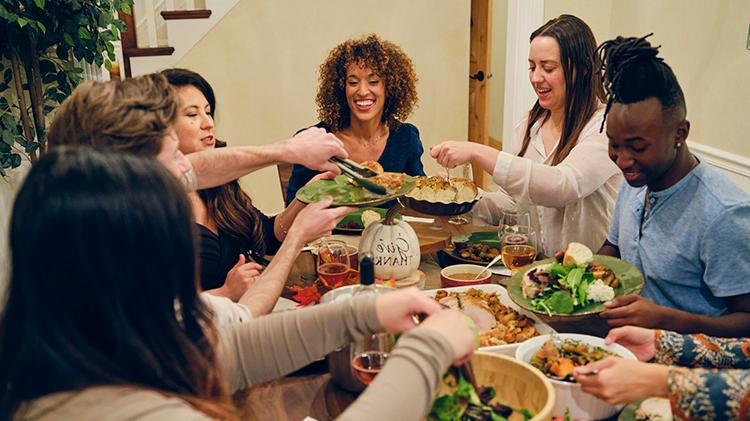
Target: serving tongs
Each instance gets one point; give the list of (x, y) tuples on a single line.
[(359, 174)]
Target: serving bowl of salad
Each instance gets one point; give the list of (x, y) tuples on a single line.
[(507, 388), (572, 290), (556, 356)]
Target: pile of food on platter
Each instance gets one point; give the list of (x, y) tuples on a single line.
[(444, 190), (476, 252), (563, 287), (498, 324)]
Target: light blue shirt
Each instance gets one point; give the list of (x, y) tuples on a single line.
[(694, 246)]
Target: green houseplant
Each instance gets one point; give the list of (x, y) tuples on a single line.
[(39, 40)]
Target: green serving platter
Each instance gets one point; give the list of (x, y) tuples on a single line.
[(631, 282)]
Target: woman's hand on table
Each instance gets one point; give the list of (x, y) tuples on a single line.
[(639, 340), (317, 220), (622, 381)]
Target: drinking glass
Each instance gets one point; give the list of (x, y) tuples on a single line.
[(333, 262), (370, 356), (512, 219), (519, 247)]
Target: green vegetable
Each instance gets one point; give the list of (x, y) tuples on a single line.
[(464, 404), (561, 302)]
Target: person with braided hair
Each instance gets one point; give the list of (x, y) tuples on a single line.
[(556, 164), (681, 222)]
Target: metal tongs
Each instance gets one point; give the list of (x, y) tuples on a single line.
[(358, 173)]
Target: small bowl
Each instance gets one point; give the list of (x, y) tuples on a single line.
[(447, 279), (570, 396)]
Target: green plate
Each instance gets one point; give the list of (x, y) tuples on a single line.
[(631, 282), (357, 218), (628, 412), (345, 193), (486, 238)]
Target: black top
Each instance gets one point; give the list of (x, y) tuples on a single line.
[(219, 253), (402, 153)]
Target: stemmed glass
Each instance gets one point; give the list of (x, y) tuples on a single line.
[(370, 356), (519, 247), (333, 262), (512, 219)]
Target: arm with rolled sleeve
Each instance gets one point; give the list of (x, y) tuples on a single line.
[(586, 168)]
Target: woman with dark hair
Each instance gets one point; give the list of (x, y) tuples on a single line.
[(367, 91), (228, 223), (557, 162), (111, 326)]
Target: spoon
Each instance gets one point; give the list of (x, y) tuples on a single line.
[(499, 255)]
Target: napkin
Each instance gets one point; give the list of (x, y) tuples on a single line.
[(500, 270)]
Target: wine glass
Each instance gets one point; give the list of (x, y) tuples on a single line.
[(512, 219), (370, 355), (519, 247), (333, 262)]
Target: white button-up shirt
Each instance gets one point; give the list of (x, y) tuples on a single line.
[(571, 201)]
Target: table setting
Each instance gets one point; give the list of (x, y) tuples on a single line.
[(483, 272)]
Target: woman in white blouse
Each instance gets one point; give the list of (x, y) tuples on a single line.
[(557, 163)]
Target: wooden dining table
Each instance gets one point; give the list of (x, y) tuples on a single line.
[(311, 392)]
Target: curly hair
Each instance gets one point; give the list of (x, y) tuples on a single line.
[(387, 60)]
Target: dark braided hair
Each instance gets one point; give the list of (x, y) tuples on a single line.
[(633, 72)]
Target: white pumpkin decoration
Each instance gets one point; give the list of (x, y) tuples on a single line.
[(394, 246)]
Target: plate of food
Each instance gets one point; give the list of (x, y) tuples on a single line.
[(502, 324), (557, 355), (649, 409), (440, 196), (477, 247), (356, 222), (346, 192), (575, 288)]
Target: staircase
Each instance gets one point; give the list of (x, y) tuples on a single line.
[(161, 32)]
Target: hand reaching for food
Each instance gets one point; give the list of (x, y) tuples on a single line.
[(317, 220), (641, 341), (618, 380), (396, 309)]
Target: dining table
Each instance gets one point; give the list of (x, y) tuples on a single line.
[(310, 392)]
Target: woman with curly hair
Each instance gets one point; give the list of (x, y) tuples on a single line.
[(367, 90)]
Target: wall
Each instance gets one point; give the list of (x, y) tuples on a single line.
[(705, 44), (497, 82), (262, 59)]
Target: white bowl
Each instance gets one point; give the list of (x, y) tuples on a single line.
[(502, 294), (570, 395)]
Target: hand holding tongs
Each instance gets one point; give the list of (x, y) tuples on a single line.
[(358, 173)]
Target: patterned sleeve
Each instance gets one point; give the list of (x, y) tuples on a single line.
[(709, 394), (702, 351)]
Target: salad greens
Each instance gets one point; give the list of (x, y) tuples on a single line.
[(468, 404), (345, 193), (569, 290)]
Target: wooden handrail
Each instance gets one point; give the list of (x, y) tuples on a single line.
[(185, 14)]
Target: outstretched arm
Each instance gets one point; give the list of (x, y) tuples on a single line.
[(311, 148)]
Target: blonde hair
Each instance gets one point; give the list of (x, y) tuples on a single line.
[(133, 115)]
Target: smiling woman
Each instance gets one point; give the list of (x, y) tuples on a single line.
[(557, 159), (367, 90)]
